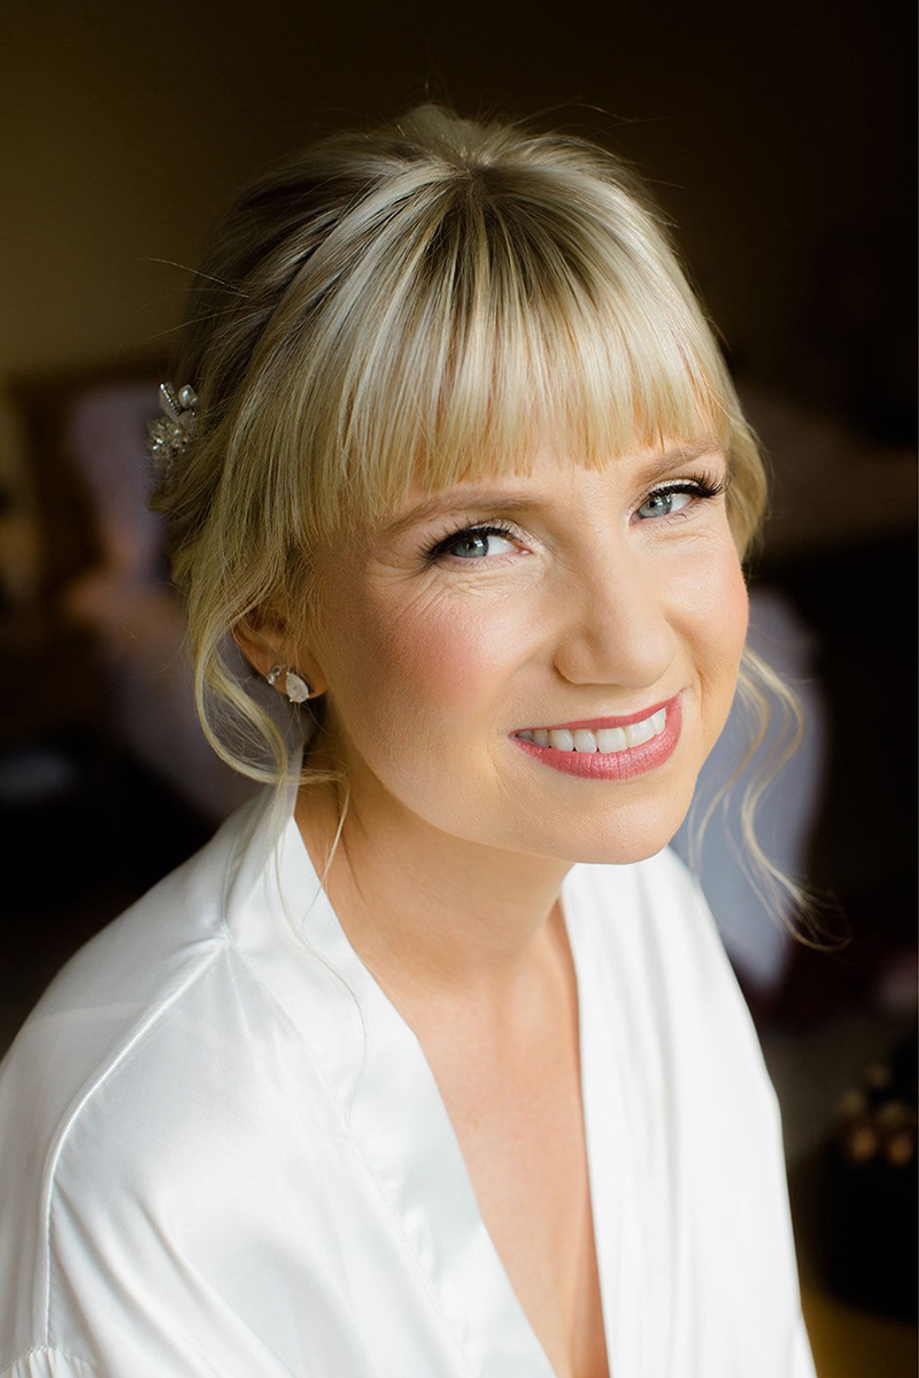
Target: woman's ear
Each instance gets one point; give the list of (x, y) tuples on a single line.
[(266, 642), (262, 641)]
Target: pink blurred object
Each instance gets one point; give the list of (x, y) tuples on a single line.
[(130, 604)]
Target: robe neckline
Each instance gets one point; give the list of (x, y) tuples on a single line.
[(389, 1104)]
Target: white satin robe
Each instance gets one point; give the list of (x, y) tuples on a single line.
[(200, 1178)]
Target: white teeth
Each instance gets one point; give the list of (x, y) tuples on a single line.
[(612, 739), (561, 739), (640, 732), (608, 740)]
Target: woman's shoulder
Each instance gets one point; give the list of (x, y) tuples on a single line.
[(130, 1069), (109, 1002), (161, 937)]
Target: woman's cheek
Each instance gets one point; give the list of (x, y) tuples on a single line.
[(712, 595), (721, 637), (453, 656), (737, 607)]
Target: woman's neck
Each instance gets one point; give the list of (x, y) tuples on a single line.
[(436, 918)]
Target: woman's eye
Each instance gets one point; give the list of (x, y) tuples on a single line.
[(663, 504), (476, 544), (668, 502), (470, 543)]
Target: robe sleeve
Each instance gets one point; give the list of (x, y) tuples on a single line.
[(46, 1362)]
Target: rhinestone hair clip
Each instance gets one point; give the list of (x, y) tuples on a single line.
[(168, 435)]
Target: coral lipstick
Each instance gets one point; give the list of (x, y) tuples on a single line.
[(613, 765)]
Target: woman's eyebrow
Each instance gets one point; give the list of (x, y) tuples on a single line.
[(459, 500)]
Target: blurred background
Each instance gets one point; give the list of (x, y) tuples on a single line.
[(780, 139)]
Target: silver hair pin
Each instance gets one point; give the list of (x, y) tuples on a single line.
[(168, 435)]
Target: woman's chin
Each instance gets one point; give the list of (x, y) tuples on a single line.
[(618, 838)]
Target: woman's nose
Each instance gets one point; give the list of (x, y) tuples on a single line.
[(616, 626)]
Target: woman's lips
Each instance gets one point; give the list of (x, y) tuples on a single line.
[(617, 765), (597, 724)]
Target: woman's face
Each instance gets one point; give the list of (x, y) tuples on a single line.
[(601, 595)]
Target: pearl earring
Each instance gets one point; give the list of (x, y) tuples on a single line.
[(296, 689)]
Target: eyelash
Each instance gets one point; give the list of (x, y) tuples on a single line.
[(703, 488)]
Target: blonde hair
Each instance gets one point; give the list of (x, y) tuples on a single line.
[(417, 304)]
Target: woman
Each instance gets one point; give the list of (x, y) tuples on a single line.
[(432, 1061)]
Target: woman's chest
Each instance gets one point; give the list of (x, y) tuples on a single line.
[(521, 1132)]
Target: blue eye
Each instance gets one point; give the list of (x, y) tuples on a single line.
[(671, 500), (468, 536), (663, 503)]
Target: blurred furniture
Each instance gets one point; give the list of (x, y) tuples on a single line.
[(102, 649)]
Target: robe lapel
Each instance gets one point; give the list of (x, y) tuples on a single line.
[(605, 1070)]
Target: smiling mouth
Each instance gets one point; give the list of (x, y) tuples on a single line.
[(605, 740)]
